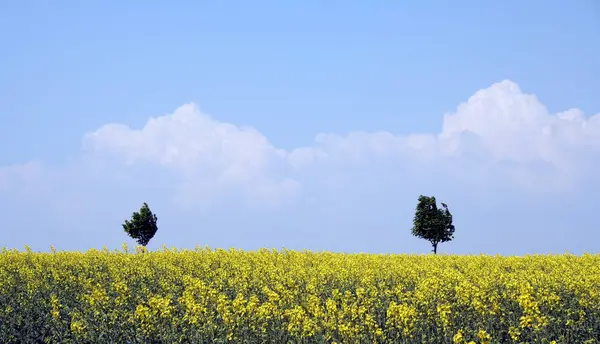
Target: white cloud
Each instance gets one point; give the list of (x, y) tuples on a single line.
[(501, 132), (499, 135), (210, 157), (494, 149), (516, 126)]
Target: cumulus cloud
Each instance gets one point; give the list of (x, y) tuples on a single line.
[(514, 126), (499, 134), (209, 156), (500, 145)]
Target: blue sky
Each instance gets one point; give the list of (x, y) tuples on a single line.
[(306, 125)]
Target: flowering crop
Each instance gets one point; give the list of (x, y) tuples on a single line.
[(268, 296)]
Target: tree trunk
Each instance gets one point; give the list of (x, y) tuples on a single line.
[(435, 247)]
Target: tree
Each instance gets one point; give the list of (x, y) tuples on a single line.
[(431, 223), (142, 226)]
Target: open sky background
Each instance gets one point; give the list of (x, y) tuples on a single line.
[(301, 124)]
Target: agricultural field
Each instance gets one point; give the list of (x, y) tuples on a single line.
[(268, 296)]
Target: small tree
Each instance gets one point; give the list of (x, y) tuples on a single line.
[(431, 223), (142, 226)]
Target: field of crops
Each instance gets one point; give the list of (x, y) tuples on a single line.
[(218, 296)]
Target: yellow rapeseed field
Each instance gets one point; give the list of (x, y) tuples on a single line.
[(268, 296)]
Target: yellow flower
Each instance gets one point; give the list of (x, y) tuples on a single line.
[(484, 337), (458, 337), (55, 307), (204, 294)]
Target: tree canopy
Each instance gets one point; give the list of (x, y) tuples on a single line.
[(142, 226), (432, 223)]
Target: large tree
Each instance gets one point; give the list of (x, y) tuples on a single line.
[(142, 226), (432, 223)]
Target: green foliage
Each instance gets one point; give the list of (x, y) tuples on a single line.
[(142, 226), (431, 223)]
